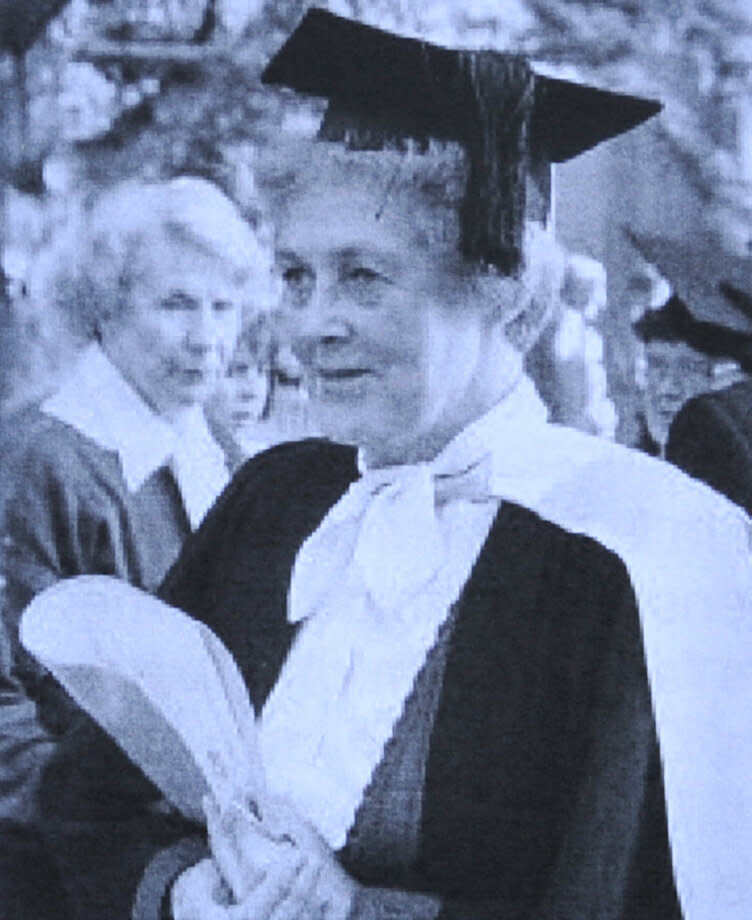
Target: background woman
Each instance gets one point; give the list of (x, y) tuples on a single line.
[(115, 468)]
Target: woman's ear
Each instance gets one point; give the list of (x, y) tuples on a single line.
[(499, 298)]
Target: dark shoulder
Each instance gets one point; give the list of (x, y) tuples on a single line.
[(711, 439), (273, 502), (552, 555), (711, 428), (543, 599), (41, 452), (311, 460), (37, 439), (732, 405), (295, 471)]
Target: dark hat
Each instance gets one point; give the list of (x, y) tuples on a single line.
[(714, 285), (513, 122)]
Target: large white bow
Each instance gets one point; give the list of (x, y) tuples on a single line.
[(374, 584), (385, 531)]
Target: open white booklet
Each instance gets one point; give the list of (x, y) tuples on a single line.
[(160, 683)]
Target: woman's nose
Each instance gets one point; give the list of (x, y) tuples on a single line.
[(334, 329), (328, 316), (202, 330)]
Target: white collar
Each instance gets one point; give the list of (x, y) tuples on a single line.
[(98, 401)]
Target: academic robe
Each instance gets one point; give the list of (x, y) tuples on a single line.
[(711, 439), (543, 793)]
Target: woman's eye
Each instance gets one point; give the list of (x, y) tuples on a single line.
[(298, 281), (295, 275), (223, 306), (362, 273), (179, 302)]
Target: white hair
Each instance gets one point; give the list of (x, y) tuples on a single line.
[(88, 271)]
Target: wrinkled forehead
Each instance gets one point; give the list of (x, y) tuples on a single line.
[(417, 193)]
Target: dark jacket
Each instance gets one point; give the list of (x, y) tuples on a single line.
[(65, 510), (543, 792), (711, 439)]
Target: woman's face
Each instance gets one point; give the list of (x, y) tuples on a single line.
[(174, 341), (240, 397), (388, 338)]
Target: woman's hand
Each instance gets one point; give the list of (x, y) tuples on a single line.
[(284, 893), (278, 868), (200, 893)]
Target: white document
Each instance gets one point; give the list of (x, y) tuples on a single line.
[(160, 683)]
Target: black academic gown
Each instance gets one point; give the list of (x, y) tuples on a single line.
[(543, 792), (711, 439)]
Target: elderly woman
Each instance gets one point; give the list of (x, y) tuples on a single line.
[(117, 467), (448, 669)]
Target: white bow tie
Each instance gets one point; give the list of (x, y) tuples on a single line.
[(385, 531)]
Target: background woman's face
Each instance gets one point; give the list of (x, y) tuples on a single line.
[(381, 323), (175, 340)]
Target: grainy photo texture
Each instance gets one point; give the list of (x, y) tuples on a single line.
[(375, 460)]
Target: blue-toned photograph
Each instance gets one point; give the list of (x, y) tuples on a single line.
[(375, 460)]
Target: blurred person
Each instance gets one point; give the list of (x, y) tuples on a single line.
[(115, 468), (35, 344), (711, 439), (711, 436), (238, 409), (680, 359), (694, 337)]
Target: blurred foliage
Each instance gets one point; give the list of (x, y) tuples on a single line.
[(169, 115)]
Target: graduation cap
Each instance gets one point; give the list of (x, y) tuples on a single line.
[(711, 303), (715, 285), (513, 122)]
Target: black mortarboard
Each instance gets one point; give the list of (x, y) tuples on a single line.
[(513, 122), (673, 322), (714, 284)]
